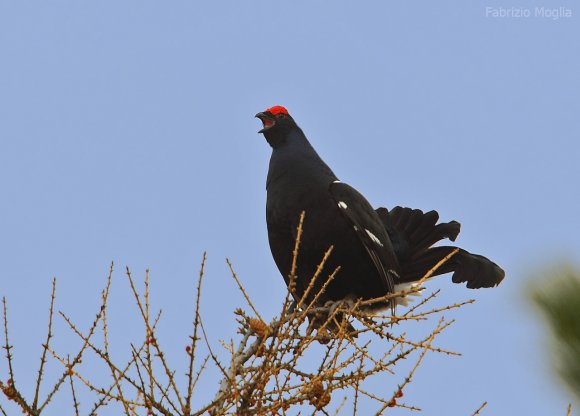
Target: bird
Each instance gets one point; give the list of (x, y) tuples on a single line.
[(378, 251)]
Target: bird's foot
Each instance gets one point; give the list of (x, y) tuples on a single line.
[(346, 303), (337, 315)]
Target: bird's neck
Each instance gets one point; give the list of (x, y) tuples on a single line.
[(297, 161)]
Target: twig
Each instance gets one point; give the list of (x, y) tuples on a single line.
[(299, 231), (150, 340), (144, 315), (315, 278), (45, 346), (72, 387), (235, 276), (440, 326), (194, 339), (479, 409), (7, 345), (436, 267), (104, 297)]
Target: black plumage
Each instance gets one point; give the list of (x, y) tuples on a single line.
[(377, 250)]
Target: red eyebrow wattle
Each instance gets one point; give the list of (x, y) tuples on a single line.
[(277, 109)]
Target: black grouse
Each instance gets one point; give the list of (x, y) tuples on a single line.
[(379, 251)]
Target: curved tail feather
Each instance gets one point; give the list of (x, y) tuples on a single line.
[(413, 234)]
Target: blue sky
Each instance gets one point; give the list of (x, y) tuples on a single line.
[(127, 134)]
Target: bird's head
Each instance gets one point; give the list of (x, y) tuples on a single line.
[(279, 128), (275, 119)]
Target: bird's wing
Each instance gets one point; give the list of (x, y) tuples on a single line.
[(369, 230)]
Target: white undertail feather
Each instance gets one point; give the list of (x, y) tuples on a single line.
[(408, 298), (404, 300)]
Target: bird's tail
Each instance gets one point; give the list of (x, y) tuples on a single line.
[(413, 233)]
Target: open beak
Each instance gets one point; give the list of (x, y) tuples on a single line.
[(268, 121)]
